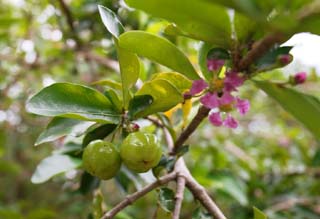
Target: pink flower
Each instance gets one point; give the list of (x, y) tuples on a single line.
[(214, 64), (232, 81), (215, 119), (230, 122), (243, 106), (226, 98), (198, 86), (300, 77), (210, 100), (285, 59)]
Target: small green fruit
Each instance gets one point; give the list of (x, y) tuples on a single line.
[(140, 151), (101, 159)]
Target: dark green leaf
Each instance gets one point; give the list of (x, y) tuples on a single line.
[(303, 107), (218, 53), (110, 21), (73, 101), (59, 127), (166, 199), (164, 94), (202, 59), (200, 19), (138, 104), (182, 150), (98, 133), (199, 214), (54, 165), (88, 183), (157, 49), (258, 214)]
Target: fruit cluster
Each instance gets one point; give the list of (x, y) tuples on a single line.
[(139, 152)]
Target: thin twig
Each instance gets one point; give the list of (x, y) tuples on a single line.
[(135, 196), (181, 183)]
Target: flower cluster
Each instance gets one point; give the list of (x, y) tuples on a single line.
[(219, 96)]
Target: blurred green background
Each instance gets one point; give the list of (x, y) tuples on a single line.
[(271, 161)]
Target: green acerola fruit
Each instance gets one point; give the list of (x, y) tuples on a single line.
[(140, 151), (101, 159)]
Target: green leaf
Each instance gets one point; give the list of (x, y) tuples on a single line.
[(109, 83), (98, 133), (258, 214), (53, 165), (59, 127), (166, 199), (244, 28), (199, 214), (138, 104), (202, 59), (114, 99), (157, 49), (303, 107), (110, 21), (88, 183), (181, 82), (73, 101), (130, 69), (164, 94), (200, 19)]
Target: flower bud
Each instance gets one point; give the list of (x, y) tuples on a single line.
[(300, 78)]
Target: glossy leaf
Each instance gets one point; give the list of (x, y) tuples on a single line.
[(98, 133), (303, 107), (109, 83), (157, 49), (164, 94), (200, 19), (110, 21), (258, 214), (166, 199), (59, 127), (138, 104), (54, 165), (181, 82), (73, 101), (114, 99)]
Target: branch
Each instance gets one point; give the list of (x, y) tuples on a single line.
[(135, 196), (201, 114), (181, 182), (259, 49)]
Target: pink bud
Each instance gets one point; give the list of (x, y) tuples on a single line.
[(285, 59), (300, 77), (215, 119), (135, 127), (198, 86)]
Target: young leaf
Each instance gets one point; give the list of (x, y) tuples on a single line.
[(164, 94), (138, 104), (158, 49), (109, 83), (98, 133), (73, 101), (258, 214), (166, 199), (110, 21), (303, 107), (200, 19), (59, 127), (53, 165), (181, 82), (88, 183)]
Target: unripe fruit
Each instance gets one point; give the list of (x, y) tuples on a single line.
[(101, 159), (140, 151)]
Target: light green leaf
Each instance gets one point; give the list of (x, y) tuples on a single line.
[(109, 83), (73, 101), (258, 214), (303, 107), (244, 27), (200, 19), (130, 69), (164, 94), (59, 127), (110, 21), (179, 81), (53, 165), (114, 99), (157, 49)]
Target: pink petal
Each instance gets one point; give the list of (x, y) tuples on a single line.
[(214, 64), (243, 106), (198, 86), (226, 98), (210, 100), (230, 122), (232, 81), (215, 119)]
